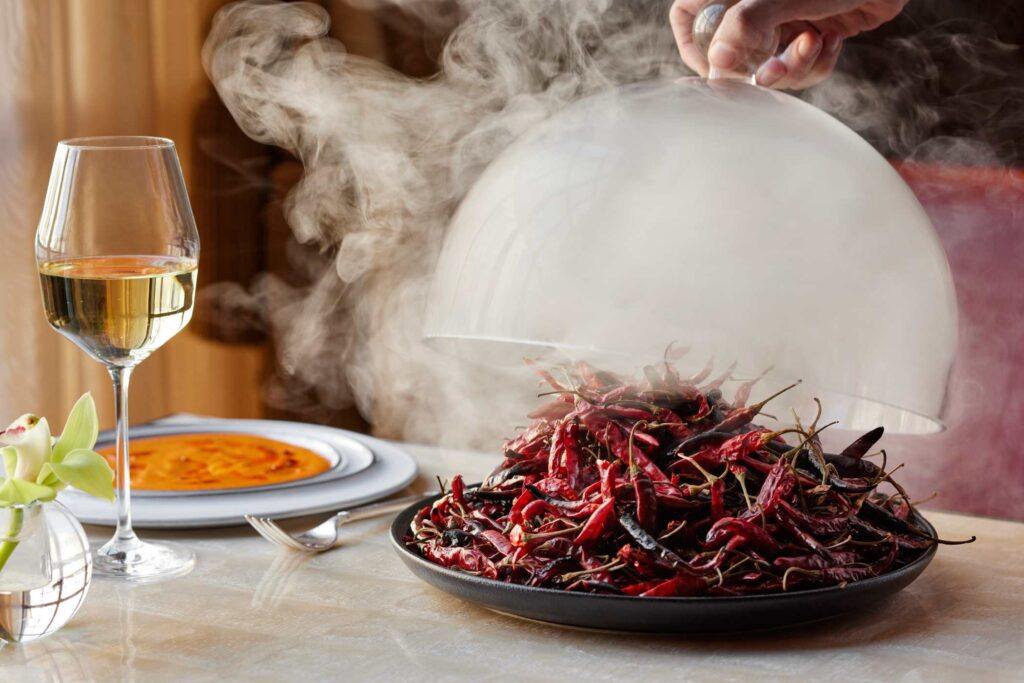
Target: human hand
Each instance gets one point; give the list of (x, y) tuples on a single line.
[(802, 38)]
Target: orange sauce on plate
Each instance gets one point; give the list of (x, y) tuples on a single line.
[(197, 462)]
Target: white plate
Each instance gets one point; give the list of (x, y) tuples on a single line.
[(392, 470), (346, 455)]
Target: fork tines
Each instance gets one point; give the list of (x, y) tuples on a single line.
[(269, 530)]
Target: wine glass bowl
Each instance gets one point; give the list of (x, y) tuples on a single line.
[(117, 252), (118, 309)]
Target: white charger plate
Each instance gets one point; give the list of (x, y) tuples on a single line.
[(392, 469), (346, 455)]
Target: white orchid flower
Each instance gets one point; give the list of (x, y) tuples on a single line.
[(36, 466), (29, 436)]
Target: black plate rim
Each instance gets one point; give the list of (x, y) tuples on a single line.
[(400, 525)]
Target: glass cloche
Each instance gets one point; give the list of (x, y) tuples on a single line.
[(740, 222)]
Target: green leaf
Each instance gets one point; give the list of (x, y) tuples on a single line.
[(21, 492), (80, 430), (10, 456), (47, 477), (87, 471)]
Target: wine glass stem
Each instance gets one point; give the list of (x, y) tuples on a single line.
[(121, 377)]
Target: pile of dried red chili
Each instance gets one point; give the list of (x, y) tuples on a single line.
[(659, 487)]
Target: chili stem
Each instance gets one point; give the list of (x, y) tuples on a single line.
[(741, 478)]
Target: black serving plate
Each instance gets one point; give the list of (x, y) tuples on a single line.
[(656, 615)]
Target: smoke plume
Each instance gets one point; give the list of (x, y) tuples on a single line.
[(387, 159)]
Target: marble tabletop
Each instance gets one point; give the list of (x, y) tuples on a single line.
[(253, 612)]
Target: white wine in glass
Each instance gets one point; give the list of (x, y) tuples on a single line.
[(118, 309), (117, 252)]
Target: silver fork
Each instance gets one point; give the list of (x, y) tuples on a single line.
[(326, 535)]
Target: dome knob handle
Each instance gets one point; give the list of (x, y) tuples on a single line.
[(705, 25)]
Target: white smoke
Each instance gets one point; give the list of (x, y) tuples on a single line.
[(951, 92), (387, 158)]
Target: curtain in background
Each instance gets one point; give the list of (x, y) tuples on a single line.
[(100, 67)]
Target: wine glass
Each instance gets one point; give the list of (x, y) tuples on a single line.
[(117, 252)]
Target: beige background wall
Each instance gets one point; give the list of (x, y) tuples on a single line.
[(99, 67)]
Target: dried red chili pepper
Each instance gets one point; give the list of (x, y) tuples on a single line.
[(637, 456), (499, 541), (740, 417), (583, 500), (779, 483), (640, 588), (845, 574), (720, 380), (630, 413), (649, 543), (571, 455), (467, 559), (609, 473), (597, 523), (901, 508), (703, 374), (813, 561), (458, 490), (820, 524), (806, 538), (578, 509), (643, 563), (861, 446), (683, 584), (743, 392), (717, 499), (546, 376), (671, 422), (646, 500), (734, 533), (516, 513), (702, 411), (556, 449), (552, 486)]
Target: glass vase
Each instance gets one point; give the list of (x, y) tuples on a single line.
[(45, 569)]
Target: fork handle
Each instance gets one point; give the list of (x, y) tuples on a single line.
[(377, 509)]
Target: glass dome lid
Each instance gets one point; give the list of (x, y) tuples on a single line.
[(740, 222)]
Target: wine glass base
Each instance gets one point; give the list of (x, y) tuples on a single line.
[(140, 562)]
